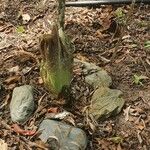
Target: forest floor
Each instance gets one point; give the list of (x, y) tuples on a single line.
[(116, 38)]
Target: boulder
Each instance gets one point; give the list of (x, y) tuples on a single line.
[(62, 136), (22, 103), (106, 102)]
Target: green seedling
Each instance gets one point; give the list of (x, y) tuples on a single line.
[(138, 79), (116, 139), (142, 24), (20, 29), (147, 44), (120, 16), (119, 13)]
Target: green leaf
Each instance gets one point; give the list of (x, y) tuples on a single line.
[(147, 44), (116, 139), (20, 29), (119, 13), (120, 16), (134, 45), (137, 79)]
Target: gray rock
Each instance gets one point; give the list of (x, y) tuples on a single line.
[(94, 75), (106, 102), (98, 78), (62, 136), (22, 103)]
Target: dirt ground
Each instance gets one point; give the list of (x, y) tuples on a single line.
[(113, 37)]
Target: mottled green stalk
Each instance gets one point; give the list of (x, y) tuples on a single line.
[(56, 65), (57, 59), (61, 14)]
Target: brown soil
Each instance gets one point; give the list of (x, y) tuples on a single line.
[(113, 43)]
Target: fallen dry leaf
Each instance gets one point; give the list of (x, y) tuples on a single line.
[(119, 147), (104, 143), (12, 79), (140, 127), (40, 81), (53, 110), (62, 115), (126, 113), (17, 129), (14, 69), (11, 86), (6, 101), (26, 17), (139, 137), (26, 70), (40, 145), (3, 145)]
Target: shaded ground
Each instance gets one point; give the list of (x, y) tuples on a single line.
[(112, 37)]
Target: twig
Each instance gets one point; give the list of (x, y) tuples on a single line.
[(5, 124), (147, 72), (39, 102), (33, 144)]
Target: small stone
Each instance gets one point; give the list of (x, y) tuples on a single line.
[(106, 102), (94, 75), (98, 78), (22, 103), (62, 136)]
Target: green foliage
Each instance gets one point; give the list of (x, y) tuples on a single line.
[(138, 79), (20, 29), (120, 16), (116, 139), (147, 44), (119, 13), (55, 80), (142, 23)]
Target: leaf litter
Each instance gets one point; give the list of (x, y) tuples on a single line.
[(115, 38)]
